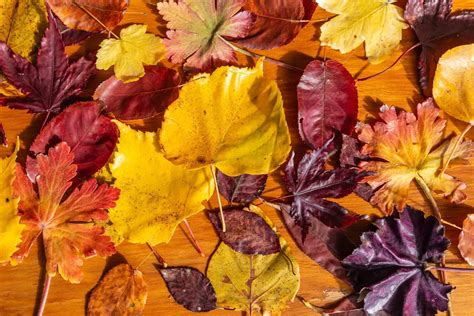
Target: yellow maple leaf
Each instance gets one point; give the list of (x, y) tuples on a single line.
[(232, 118), (130, 52), (377, 22), (407, 148), (156, 194), (10, 227), (453, 85)]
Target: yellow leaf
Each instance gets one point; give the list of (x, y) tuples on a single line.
[(232, 118), (156, 194), (10, 227), (377, 22), (263, 283), (22, 23), (128, 54), (453, 85)]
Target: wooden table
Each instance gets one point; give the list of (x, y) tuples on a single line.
[(20, 286)]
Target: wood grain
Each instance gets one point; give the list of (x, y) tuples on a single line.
[(20, 285)]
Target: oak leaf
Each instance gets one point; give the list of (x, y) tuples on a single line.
[(130, 52), (198, 30), (64, 221), (466, 239), (157, 195), (378, 23), (232, 118), (404, 148)]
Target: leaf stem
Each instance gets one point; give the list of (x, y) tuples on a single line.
[(159, 258), (451, 224), (451, 154), (427, 192), (80, 6), (291, 20), (213, 170), (44, 296), (450, 269), (312, 307), (193, 238)]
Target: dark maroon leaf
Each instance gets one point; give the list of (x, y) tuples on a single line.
[(350, 155), (310, 183), (246, 232), (327, 246), (91, 136), (51, 81), (71, 36), (277, 22), (141, 99), (389, 266), (327, 101), (437, 30), (190, 288), (241, 189), (3, 136)]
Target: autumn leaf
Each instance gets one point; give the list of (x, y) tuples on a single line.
[(404, 148), (74, 13), (122, 291), (51, 81), (147, 97), (327, 101), (378, 23), (64, 221), (232, 118), (190, 288), (466, 239), (438, 30), (157, 195), (129, 53), (10, 227), (3, 136), (277, 22), (453, 86), (242, 189), (71, 36), (198, 30), (389, 267)]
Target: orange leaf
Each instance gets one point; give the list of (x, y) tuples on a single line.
[(466, 239)]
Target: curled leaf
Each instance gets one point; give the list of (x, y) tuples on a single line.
[(466, 239), (241, 189)]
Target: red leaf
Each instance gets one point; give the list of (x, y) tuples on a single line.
[(243, 189), (140, 99), (3, 136), (327, 101)]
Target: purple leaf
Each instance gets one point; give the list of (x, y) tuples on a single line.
[(246, 232), (190, 288), (3, 136), (91, 136), (241, 189), (390, 265), (141, 99), (327, 101), (51, 81), (71, 36), (350, 154), (438, 30)]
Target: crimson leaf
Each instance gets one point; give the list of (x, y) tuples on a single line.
[(242, 189), (3, 136), (51, 81), (437, 30), (327, 101), (391, 265)]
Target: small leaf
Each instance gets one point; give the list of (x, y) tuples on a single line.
[(3, 136), (246, 232), (466, 240), (122, 291), (242, 189), (190, 288), (147, 97)]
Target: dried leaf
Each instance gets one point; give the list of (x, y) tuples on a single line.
[(466, 240), (122, 291), (147, 97), (3, 136), (242, 189), (190, 288), (232, 118)]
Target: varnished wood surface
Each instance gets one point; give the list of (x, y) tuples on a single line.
[(20, 285)]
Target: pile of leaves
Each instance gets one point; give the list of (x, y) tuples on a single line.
[(91, 179)]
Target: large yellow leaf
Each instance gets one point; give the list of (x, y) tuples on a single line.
[(156, 194), (130, 52), (377, 22), (232, 118), (10, 227), (22, 23), (263, 283), (453, 85)]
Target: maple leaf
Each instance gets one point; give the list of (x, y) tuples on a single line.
[(389, 267), (378, 23), (310, 183), (406, 148), (242, 189), (51, 81), (65, 222), (466, 239), (198, 30), (130, 52), (437, 29)]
